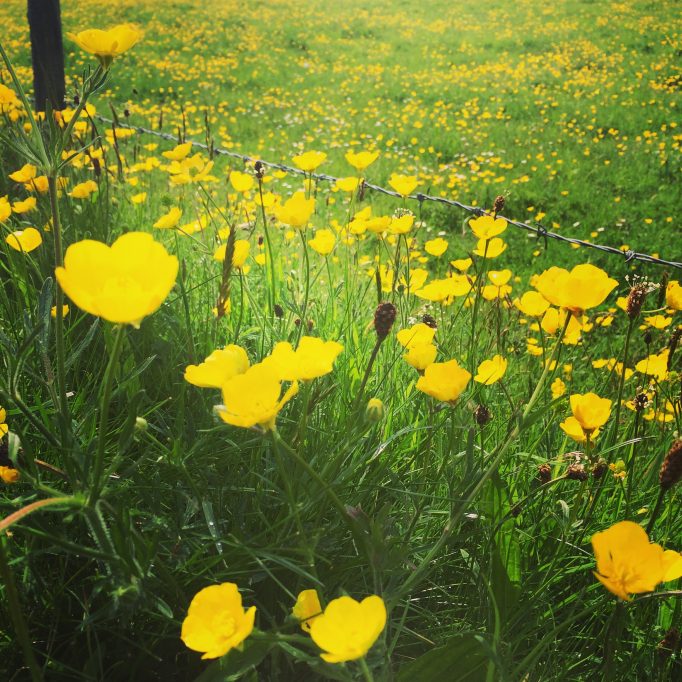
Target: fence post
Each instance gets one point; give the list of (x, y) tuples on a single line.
[(47, 53)]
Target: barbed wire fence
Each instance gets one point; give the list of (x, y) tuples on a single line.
[(538, 230)]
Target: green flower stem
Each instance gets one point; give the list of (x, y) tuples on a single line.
[(270, 264), (366, 672), (20, 627), (304, 311), (368, 371), (621, 382), (97, 482), (656, 511), (59, 317)]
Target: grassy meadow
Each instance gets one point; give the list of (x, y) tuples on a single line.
[(284, 383)]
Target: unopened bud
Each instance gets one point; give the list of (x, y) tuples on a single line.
[(482, 415), (279, 311), (375, 410), (140, 424)]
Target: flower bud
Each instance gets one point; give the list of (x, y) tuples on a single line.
[(482, 415), (635, 301), (544, 473), (140, 424), (375, 410), (671, 469), (384, 317)]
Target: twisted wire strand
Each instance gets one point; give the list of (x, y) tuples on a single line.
[(538, 230)]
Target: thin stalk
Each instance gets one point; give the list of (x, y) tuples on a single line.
[(366, 672), (59, 317), (104, 415), (270, 264), (372, 358), (621, 382), (306, 295), (16, 614)]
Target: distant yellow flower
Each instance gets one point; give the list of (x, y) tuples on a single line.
[(403, 184), (5, 209), (9, 475), (420, 355), (461, 264), (253, 398), (490, 248), (24, 206), (122, 283), (532, 304), (25, 174), (218, 367), (402, 224), (348, 629), (241, 253), (348, 184), (106, 45), (361, 160), (436, 247), (83, 189), (487, 226), (585, 286), (590, 411), (40, 184), (656, 321), (3, 425), (169, 220), (628, 563), (655, 365), (416, 335), (309, 161), (444, 381), (296, 211), (491, 371), (179, 152), (216, 621), (65, 310), (242, 182), (323, 242), (374, 410), (673, 295), (139, 198), (312, 359), (558, 388), (307, 609), (25, 240)]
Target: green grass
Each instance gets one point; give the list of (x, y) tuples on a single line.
[(446, 520)]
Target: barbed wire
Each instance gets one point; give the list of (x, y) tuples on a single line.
[(540, 231)]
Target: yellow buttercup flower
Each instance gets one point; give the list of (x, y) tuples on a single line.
[(253, 398), (295, 211), (558, 388), (420, 355), (122, 283), (241, 253), (416, 335), (312, 359), (24, 206), (490, 371), (361, 160), (323, 242), (242, 182), (461, 264), (590, 411), (3, 425), (655, 365), (83, 190), (349, 184), (9, 475), (374, 410), (487, 226), (444, 381), (585, 286), (106, 45), (572, 428), (490, 248), (309, 161), (400, 225), (5, 209), (216, 621), (347, 629), (179, 152), (436, 247), (218, 367), (307, 609), (532, 304), (628, 563), (403, 184), (673, 295), (25, 174), (25, 240), (169, 220)]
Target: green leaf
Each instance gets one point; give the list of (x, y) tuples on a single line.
[(464, 657)]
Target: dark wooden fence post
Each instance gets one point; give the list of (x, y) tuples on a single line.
[(47, 53)]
